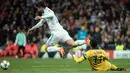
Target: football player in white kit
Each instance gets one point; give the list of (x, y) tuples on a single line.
[(58, 33)]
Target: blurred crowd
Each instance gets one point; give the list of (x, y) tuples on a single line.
[(108, 21)]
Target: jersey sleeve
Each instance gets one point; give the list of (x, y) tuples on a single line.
[(39, 24), (105, 55), (81, 59), (16, 40), (47, 15), (87, 54), (24, 39)]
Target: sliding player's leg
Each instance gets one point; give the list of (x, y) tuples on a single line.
[(52, 41), (115, 68)]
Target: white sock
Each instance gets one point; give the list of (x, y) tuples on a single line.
[(53, 49), (84, 46), (79, 42)]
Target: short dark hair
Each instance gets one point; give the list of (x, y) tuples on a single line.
[(93, 43), (40, 4)]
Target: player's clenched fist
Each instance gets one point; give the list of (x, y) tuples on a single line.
[(37, 18)]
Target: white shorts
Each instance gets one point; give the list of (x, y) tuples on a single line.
[(59, 36)]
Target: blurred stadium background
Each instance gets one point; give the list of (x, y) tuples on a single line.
[(108, 21)]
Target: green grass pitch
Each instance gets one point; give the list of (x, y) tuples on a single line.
[(57, 66)]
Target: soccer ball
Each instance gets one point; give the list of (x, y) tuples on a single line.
[(4, 65)]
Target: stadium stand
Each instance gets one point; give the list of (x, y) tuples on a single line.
[(106, 20)]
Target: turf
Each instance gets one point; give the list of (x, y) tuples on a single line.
[(57, 66)]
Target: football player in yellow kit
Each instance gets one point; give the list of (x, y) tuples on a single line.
[(97, 58)]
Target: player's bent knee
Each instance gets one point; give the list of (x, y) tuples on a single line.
[(70, 42)]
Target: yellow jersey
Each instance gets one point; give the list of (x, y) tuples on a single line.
[(97, 59)]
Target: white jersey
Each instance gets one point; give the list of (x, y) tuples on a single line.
[(58, 34), (52, 21)]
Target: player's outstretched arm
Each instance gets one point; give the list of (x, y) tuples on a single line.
[(78, 60), (39, 24), (37, 17)]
